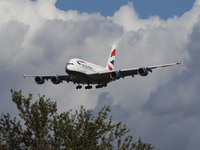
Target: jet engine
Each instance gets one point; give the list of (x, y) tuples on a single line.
[(39, 80), (143, 71), (115, 75), (55, 80)]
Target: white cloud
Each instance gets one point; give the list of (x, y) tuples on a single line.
[(38, 38)]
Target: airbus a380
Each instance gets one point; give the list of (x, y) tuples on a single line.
[(82, 72)]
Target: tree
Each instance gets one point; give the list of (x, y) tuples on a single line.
[(39, 126)]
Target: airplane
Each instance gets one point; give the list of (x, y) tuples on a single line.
[(82, 72)]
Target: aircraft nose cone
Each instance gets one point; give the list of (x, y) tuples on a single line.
[(66, 68), (69, 67)]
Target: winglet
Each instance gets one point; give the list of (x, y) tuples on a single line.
[(179, 63), (24, 76), (182, 63)]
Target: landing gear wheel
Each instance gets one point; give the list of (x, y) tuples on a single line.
[(88, 87), (78, 87), (101, 85)]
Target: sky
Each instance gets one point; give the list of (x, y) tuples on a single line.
[(145, 8), (39, 37)]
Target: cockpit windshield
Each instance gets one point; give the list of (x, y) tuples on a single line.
[(70, 63)]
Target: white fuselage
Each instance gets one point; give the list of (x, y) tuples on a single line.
[(82, 66)]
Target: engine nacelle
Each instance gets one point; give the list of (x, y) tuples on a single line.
[(143, 71), (39, 80), (115, 75), (55, 80)]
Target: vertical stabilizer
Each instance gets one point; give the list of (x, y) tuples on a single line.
[(111, 59)]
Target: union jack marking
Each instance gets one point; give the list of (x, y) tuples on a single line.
[(110, 68), (112, 62), (113, 53)]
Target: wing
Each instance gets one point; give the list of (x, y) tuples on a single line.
[(106, 77), (144, 71), (98, 78), (55, 79)]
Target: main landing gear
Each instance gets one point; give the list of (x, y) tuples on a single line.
[(90, 87), (78, 87), (101, 85)]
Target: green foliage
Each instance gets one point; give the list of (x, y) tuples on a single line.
[(40, 127)]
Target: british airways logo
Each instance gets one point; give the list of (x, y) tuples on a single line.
[(80, 62)]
